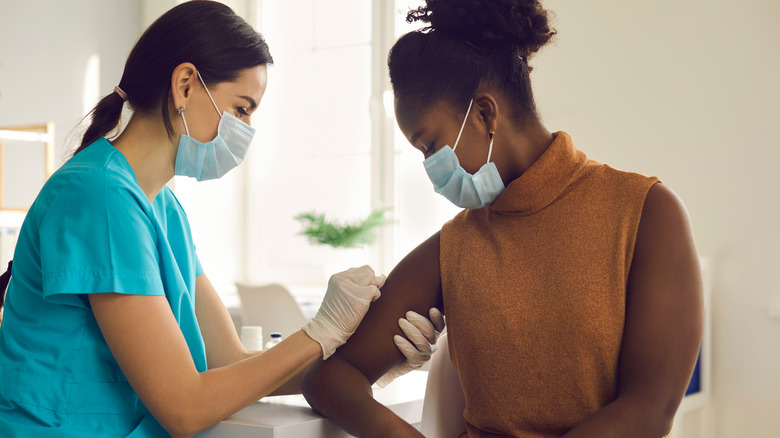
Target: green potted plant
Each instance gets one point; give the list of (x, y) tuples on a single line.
[(347, 238), (341, 235)]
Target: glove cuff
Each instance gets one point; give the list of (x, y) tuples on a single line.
[(386, 379), (330, 338)]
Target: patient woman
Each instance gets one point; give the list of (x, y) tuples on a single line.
[(571, 289)]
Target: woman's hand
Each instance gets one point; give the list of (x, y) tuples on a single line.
[(349, 295), (422, 334)]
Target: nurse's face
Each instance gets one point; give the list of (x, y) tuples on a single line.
[(430, 129), (239, 97)]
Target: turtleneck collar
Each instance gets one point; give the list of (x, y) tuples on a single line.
[(545, 180)]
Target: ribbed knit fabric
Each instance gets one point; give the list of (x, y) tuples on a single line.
[(534, 292)]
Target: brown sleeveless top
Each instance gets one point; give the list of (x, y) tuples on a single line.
[(534, 291)]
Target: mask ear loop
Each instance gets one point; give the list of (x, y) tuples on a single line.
[(207, 92), (181, 113), (463, 125), (490, 148)]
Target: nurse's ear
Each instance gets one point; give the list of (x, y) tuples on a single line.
[(182, 80)]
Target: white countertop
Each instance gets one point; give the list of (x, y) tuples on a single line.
[(291, 416)]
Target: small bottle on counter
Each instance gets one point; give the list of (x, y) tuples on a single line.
[(252, 337), (276, 338)]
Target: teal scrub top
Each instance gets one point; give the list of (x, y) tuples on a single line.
[(90, 230)]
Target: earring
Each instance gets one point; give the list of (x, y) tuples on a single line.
[(490, 146), (184, 120)]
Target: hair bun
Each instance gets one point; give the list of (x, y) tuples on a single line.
[(521, 25)]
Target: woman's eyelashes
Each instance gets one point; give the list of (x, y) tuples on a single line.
[(429, 148), (241, 112)]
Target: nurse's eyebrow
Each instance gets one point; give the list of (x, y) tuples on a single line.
[(252, 103)]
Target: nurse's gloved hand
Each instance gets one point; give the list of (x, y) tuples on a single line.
[(423, 334), (347, 299)]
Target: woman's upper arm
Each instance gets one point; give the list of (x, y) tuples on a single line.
[(664, 306), (414, 284), (223, 346)]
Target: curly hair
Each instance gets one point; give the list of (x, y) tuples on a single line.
[(468, 44)]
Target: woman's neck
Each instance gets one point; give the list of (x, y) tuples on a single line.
[(150, 152), (521, 150)]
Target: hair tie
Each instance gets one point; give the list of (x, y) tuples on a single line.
[(121, 93), (473, 46), (482, 52)]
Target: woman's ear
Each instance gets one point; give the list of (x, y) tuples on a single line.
[(181, 84), (487, 109)]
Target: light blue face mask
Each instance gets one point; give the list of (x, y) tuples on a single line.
[(211, 160), (460, 187)]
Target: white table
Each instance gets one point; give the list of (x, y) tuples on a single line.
[(291, 416)]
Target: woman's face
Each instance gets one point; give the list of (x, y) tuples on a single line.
[(430, 129), (239, 97)]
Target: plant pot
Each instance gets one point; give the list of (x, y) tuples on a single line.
[(340, 259)]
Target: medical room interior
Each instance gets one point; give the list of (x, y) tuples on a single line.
[(686, 91)]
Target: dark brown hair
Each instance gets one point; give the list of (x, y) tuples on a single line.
[(206, 33), (4, 280)]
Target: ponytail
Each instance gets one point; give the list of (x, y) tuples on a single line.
[(105, 117), (4, 280)]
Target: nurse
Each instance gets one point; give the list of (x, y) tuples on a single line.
[(111, 327)]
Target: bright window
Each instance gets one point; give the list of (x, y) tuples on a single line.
[(313, 151)]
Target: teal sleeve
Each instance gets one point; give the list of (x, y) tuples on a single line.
[(98, 236)]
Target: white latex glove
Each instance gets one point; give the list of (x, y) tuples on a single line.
[(346, 301), (423, 334)]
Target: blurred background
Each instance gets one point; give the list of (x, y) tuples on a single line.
[(686, 91)]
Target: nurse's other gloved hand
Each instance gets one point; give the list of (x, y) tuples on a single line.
[(346, 301), (423, 334)]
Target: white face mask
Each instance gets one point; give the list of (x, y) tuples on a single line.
[(211, 160), (458, 186)]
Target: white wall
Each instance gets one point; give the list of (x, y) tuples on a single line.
[(689, 91), (45, 52)]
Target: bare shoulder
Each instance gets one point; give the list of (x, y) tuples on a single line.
[(663, 208), (665, 248), (665, 235)]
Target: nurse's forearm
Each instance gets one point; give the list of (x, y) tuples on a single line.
[(342, 393), (290, 387), (223, 391), (153, 354)]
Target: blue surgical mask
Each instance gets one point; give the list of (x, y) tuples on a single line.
[(211, 160), (460, 187)]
